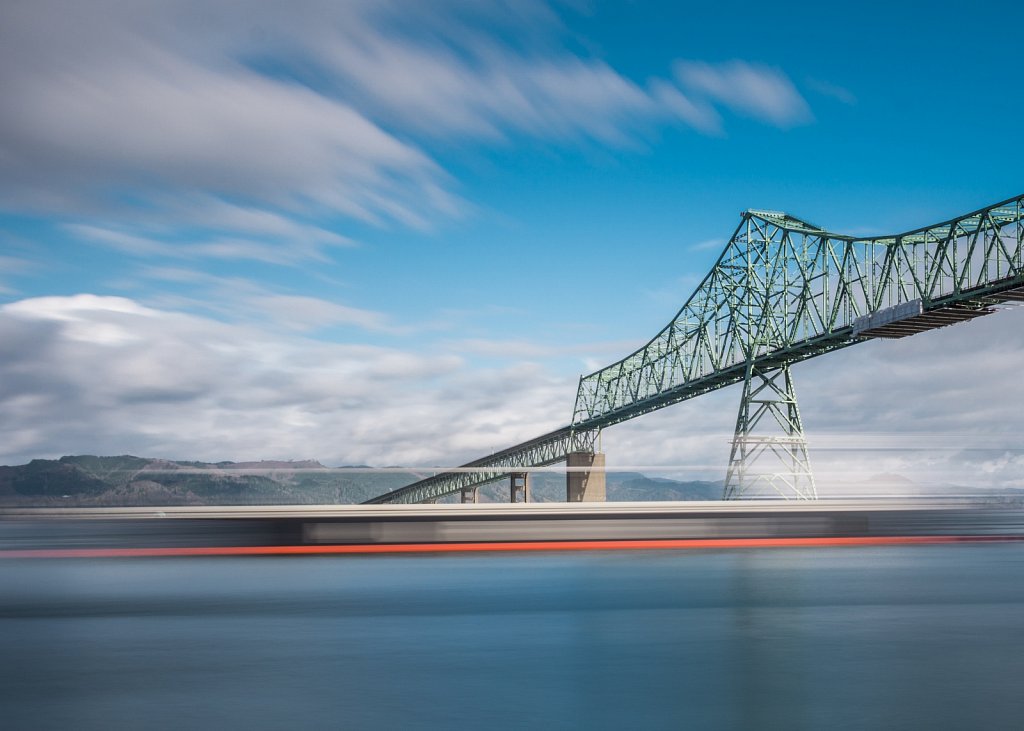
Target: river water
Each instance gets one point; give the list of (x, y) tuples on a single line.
[(787, 638)]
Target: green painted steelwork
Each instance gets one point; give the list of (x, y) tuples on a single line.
[(769, 430), (545, 450), (784, 290)]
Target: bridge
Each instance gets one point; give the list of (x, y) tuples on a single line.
[(783, 290)]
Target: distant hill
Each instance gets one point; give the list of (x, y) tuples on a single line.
[(90, 481), (86, 480), (549, 487)]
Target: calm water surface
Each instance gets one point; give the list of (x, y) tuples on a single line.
[(846, 638)]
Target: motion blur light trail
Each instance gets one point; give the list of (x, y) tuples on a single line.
[(241, 531), (499, 547)]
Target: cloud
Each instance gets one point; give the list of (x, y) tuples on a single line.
[(697, 114), (13, 265), (503, 348), (835, 91), (759, 91), (166, 123), (241, 301), (255, 130), (107, 375), (442, 93), (310, 313), (215, 248), (708, 245)]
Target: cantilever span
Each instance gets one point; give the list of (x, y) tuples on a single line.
[(782, 291)]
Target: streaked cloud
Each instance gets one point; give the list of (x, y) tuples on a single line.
[(255, 131), (759, 91), (513, 349), (109, 375), (835, 91), (142, 246), (697, 113), (708, 245), (237, 300), (311, 313), (13, 265)]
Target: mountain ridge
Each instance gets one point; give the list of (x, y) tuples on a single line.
[(127, 480)]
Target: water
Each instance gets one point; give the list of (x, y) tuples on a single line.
[(845, 638)]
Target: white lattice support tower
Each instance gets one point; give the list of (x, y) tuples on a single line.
[(769, 450)]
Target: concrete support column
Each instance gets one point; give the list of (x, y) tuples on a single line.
[(470, 495), (519, 484), (585, 485)]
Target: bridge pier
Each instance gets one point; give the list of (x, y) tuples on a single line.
[(519, 484), (585, 485), (471, 494)]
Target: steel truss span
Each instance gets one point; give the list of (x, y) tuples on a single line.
[(782, 291), (544, 450)]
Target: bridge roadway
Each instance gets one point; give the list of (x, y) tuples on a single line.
[(99, 532), (782, 291)]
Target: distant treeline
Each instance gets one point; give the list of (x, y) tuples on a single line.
[(89, 481)]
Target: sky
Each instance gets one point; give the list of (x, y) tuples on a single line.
[(396, 233)]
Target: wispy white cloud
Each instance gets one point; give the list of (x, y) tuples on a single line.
[(241, 301), (147, 115), (126, 243), (311, 313), (143, 246), (108, 375), (760, 91), (172, 124), (13, 265), (269, 125), (835, 91), (695, 112), (707, 245), (528, 349)]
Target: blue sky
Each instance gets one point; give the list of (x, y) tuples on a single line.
[(397, 233)]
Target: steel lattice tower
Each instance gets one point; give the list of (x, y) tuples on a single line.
[(769, 450)]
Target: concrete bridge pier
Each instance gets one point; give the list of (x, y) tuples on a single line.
[(585, 483), (470, 495), (519, 484)]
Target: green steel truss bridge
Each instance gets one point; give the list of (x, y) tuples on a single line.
[(783, 290)]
